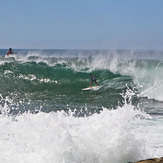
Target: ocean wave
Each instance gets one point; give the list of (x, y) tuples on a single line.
[(55, 81)]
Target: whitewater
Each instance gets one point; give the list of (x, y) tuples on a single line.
[(45, 117)]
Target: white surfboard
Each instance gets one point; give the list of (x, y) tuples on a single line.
[(95, 88)]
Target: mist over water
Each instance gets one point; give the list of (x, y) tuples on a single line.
[(46, 117)]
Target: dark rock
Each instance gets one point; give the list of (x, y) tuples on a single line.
[(152, 160)]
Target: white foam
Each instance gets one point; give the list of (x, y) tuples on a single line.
[(112, 136), (147, 77)]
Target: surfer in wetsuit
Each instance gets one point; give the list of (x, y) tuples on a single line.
[(10, 52), (92, 79)]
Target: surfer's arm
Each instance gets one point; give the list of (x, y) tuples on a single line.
[(94, 77), (9, 53)]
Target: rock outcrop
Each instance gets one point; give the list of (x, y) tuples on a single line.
[(152, 160)]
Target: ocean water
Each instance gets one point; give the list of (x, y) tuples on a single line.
[(45, 117)]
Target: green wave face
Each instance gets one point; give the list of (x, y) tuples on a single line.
[(51, 83)]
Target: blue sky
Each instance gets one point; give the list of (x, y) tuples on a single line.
[(81, 24)]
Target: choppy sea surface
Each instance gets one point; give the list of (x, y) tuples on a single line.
[(45, 117)]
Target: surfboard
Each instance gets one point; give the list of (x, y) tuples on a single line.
[(95, 88)]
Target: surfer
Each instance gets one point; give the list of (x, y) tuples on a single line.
[(10, 52), (92, 79)]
